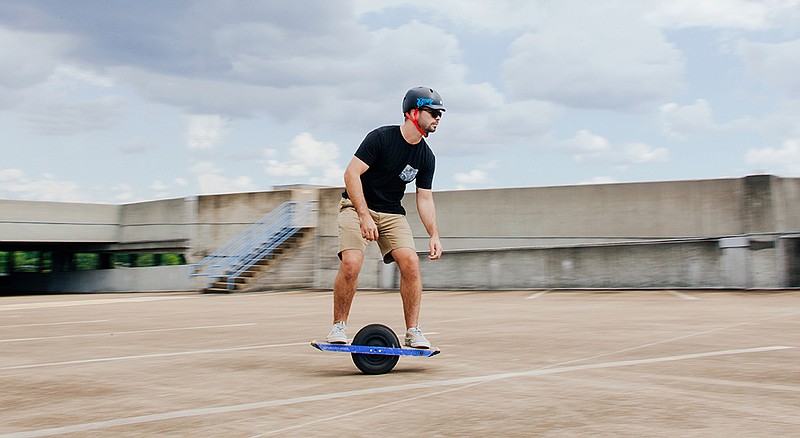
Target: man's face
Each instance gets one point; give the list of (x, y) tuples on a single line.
[(429, 119)]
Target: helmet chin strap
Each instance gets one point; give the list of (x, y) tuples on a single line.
[(413, 115)]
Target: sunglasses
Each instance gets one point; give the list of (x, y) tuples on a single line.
[(435, 113)]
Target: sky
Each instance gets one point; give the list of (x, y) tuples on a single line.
[(127, 101)]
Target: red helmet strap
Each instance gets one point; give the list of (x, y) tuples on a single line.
[(413, 115)]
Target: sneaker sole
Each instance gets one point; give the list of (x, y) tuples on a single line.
[(420, 347)]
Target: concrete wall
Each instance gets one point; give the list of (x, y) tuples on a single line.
[(296, 269), (219, 218), (738, 232), (483, 230), (585, 214), (156, 221), (155, 279), (665, 264), (26, 221)]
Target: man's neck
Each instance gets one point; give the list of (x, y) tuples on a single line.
[(410, 133)]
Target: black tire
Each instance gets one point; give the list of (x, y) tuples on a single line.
[(375, 335)]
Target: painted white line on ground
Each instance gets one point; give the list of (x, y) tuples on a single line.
[(370, 391), (681, 295), (149, 356), (263, 294), (455, 294), (50, 304), (722, 382), (360, 411), (55, 323), (87, 335), (678, 338), (536, 295)]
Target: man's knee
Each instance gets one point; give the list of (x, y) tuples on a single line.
[(351, 263), (407, 261)]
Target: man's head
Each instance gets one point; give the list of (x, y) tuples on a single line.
[(420, 100), (422, 97)]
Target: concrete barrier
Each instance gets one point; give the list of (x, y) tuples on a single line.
[(735, 232), (153, 279)]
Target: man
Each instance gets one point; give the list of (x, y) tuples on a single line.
[(389, 158)]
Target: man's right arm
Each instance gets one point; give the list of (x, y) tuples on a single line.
[(355, 191)]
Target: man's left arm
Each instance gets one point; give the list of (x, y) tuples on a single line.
[(427, 213)]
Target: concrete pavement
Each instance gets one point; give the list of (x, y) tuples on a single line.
[(513, 363)]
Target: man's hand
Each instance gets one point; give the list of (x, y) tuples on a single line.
[(369, 230), (436, 248)]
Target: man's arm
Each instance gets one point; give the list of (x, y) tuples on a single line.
[(352, 184), (427, 213)]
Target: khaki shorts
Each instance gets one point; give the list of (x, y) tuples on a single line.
[(393, 231)]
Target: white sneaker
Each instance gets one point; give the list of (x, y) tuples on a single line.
[(415, 338), (338, 334)]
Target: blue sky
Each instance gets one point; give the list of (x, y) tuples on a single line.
[(120, 102)]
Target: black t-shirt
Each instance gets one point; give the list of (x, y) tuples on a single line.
[(393, 163)]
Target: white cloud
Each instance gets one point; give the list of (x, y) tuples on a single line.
[(640, 153), (494, 16), (739, 14), (310, 158), (590, 148), (585, 142), (15, 184), (598, 180), (784, 161), (64, 99), (84, 76), (160, 189), (73, 118), (681, 121), (308, 76), (602, 57), (312, 152), (284, 169), (476, 178), (776, 64), (472, 179), (210, 180), (123, 192), (483, 121), (11, 174), (204, 131), (28, 58)]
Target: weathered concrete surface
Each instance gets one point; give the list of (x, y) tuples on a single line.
[(57, 222), (747, 227), (655, 363)]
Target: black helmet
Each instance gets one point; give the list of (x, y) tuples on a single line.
[(419, 97)]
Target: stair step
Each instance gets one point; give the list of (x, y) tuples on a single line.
[(258, 267)]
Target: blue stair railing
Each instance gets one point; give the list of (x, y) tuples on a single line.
[(257, 242)]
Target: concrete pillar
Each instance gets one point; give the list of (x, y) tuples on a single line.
[(763, 220), (759, 209), (790, 246), (389, 276), (105, 261), (62, 261), (734, 261)]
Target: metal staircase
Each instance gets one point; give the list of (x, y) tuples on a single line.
[(246, 256)]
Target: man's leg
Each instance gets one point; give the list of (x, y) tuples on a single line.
[(344, 287), (410, 284)]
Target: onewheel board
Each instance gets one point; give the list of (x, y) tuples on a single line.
[(386, 351), (375, 349)]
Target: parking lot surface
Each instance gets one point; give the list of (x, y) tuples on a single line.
[(513, 363)]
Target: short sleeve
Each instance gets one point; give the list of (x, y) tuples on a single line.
[(425, 176), (369, 149)]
